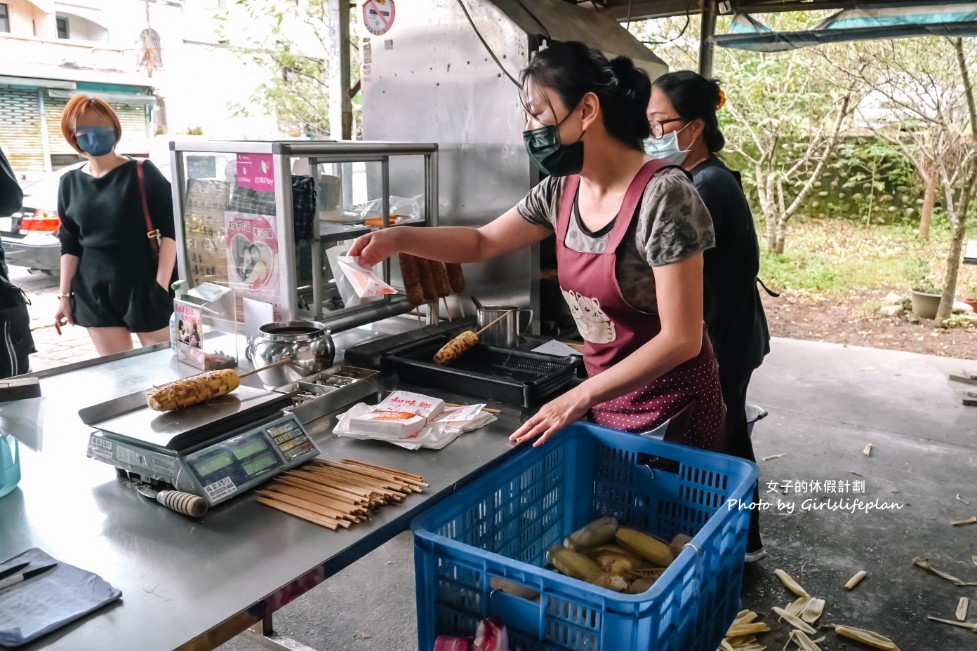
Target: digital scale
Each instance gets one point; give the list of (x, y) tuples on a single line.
[(214, 450)]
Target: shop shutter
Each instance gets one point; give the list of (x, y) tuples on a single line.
[(20, 129), (53, 107)]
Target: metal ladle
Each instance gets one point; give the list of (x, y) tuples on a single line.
[(478, 304)]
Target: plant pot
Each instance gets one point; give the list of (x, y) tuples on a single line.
[(925, 305), (972, 302)]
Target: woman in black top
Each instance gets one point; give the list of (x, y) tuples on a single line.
[(684, 130), (112, 281)]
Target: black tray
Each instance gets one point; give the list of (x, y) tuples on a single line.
[(513, 376)]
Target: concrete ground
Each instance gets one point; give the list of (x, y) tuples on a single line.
[(827, 402)]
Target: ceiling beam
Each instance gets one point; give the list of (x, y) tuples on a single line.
[(649, 9)]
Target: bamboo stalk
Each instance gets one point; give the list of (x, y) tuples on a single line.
[(298, 512)]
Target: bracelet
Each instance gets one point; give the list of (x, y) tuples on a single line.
[(65, 295)]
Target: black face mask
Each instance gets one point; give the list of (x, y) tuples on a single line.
[(549, 155)]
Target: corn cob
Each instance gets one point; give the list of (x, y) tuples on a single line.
[(641, 584), (454, 348), (596, 533), (678, 543), (621, 564), (577, 566), (868, 638), (193, 390), (648, 548)]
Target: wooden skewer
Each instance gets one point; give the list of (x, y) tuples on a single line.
[(491, 410), (385, 469), (369, 472), (308, 506), (281, 362), (349, 503), (446, 308), (298, 512), (356, 480), (493, 322), (310, 496), (313, 477)]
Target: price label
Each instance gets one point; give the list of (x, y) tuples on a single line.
[(220, 488)]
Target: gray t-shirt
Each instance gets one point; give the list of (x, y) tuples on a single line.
[(670, 225)]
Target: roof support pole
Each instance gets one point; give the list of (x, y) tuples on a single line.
[(707, 46), (340, 108)]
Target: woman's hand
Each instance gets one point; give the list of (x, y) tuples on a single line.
[(375, 247), (63, 316), (554, 415)]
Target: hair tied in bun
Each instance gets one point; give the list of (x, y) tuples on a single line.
[(722, 99)]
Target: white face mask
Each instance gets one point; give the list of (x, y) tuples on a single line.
[(667, 148)]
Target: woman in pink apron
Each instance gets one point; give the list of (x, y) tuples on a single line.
[(630, 232)]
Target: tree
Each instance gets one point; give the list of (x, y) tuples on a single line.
[(783, 116), (926, 108), (289, 44)]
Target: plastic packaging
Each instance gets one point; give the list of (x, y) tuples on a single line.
[(9, 464), (177, 288)]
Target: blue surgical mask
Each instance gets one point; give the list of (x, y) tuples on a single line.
[(95, 141), (667, 148)]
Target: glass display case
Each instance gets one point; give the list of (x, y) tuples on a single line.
[(269, 219)]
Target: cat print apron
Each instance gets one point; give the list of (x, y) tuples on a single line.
[(688, 397)]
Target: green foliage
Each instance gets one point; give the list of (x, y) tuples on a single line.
[(919, 274), (288, 49)]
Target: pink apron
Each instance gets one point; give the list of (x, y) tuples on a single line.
[(688, 396)]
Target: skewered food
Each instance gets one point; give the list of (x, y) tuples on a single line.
[(441, 283), (455, 348), (428, 286), (411, 274), (455, 277), (193, 390)]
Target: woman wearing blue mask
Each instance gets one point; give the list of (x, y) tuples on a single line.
[(629, 240), (114, 281), (685, 131)]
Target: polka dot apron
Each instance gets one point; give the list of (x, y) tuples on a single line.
[(688, 396)]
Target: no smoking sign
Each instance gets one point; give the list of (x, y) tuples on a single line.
[(378, 16)]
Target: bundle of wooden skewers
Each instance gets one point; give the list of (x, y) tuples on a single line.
[(338, 494)]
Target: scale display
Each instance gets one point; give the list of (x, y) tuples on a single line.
[(221, 469)]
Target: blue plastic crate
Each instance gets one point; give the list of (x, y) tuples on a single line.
[(502, 524)]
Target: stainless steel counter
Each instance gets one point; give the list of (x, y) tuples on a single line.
[(196, 583)]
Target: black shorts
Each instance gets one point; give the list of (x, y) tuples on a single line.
[(138, 305)]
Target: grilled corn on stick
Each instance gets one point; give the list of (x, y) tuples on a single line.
[(455, 348), (193, 390)]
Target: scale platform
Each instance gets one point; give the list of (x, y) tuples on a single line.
[(215, 450)]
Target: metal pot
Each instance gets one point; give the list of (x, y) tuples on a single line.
[(505, 332), (308, 343)]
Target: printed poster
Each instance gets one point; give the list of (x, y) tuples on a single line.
[(206, 202), (255, 171), (253, 256)]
